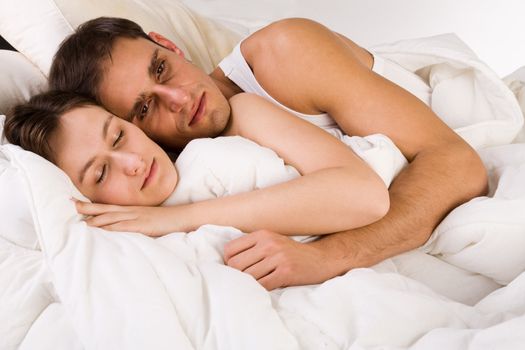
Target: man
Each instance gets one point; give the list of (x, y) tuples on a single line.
[(311, 71)]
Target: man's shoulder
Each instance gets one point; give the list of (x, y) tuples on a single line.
[(282, 37), (284, 58)]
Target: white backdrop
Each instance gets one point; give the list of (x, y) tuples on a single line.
[(492, 28)]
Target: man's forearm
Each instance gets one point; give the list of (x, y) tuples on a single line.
[(420, 197)]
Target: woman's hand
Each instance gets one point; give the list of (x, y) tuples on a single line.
[(151, 221)]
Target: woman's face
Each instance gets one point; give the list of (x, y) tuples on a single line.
[(111, 160)]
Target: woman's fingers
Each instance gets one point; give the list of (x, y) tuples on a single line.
[(121, 226), (110, 218), (129, 226), (107, 216), (86, 208), (151, 221)]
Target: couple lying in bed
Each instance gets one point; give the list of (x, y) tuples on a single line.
[(304, 68)]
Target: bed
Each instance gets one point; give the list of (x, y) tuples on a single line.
[(64, 285)]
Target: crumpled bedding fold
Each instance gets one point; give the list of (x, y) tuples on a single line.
[(129, 291)]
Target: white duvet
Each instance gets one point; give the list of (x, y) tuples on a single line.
[(87, 288)]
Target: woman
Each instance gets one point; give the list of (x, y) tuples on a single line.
[(114, 164)]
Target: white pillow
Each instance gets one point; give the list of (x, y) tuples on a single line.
[(37, 27), (25, 281), (17, 194), (17, 224), (20, 79)]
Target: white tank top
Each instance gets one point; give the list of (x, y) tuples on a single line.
[(235, 68)]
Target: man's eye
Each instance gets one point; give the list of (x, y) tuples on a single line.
[(144, 111), (102, 175), (160, 69)]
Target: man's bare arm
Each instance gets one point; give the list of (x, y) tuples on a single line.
[(414, 212), (313, 70)]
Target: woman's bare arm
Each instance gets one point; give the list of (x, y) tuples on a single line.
[(337, 191)]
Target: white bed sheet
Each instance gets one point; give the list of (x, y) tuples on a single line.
[(500, 314), (130, 291)]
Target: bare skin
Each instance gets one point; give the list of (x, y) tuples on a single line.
[(313, 69), (444, 171), (112, 161), (324, 161)]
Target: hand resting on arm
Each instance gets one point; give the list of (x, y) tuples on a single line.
[(291, 208)]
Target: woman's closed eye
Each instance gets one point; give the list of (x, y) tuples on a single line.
[(101, 174), (118, 138)]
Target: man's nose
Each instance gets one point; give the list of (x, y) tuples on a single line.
[(173, 98), (131, 163)]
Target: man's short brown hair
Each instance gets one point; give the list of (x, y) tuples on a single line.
[(79, 62), (32, 124)]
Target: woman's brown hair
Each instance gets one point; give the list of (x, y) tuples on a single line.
[(31, 125)]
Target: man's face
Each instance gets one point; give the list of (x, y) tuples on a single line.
[(112, 161), (163, 94)]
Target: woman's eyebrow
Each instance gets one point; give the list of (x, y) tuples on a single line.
[(90, 162), (106, 126)]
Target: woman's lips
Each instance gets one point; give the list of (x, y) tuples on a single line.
[(201, 108), (152, 171)]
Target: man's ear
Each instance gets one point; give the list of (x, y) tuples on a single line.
[(165, 42)]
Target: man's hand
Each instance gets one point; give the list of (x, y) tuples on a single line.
[(151, 221), (278, 261)]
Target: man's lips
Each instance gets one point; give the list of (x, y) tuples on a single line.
[(199, 111), (151, 173)]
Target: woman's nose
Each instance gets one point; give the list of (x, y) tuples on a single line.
[(173, 98), (131, 163)]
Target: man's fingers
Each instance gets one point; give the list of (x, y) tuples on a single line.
[(271, 281), (260, 269), (237, 246), (246, 258), (275, 261)]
